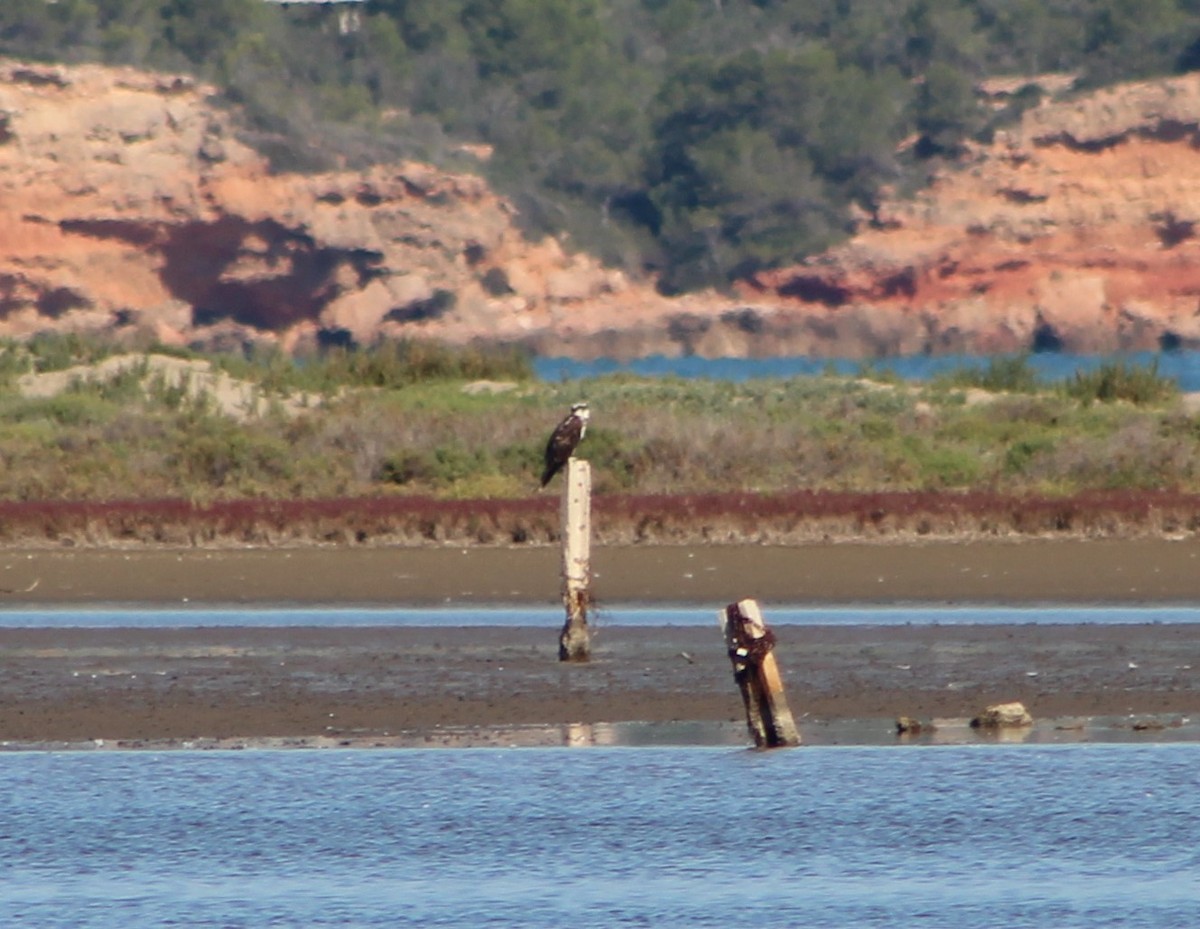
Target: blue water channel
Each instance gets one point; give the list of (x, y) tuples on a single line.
[(963, 837), (551, 617)]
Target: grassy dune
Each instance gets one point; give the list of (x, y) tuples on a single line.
[(412, 444)]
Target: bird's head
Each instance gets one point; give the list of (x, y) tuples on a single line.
[(581, 410)]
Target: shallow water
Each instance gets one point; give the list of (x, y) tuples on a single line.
[(139, 618), (964, 837)]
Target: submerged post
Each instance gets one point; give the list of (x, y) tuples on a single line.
[(574, 644), (751, 650)]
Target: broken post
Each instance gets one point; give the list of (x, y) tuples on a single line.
[(751, 650), (574, 643)]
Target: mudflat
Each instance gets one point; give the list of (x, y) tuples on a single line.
[(1148, 570), (385, 685)]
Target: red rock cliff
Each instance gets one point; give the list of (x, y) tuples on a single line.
[(129, 206), (1076, 230)]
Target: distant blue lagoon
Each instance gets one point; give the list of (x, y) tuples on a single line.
[(964, 837), (1182, 366)]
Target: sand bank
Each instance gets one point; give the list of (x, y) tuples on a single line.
[(1027, 571)]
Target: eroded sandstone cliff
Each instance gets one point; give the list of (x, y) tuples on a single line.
[(129, 206), (1075, 230)]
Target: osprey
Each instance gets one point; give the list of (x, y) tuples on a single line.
[(563, 439)]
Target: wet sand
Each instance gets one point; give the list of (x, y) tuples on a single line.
[(391, 686), (1015, 572)]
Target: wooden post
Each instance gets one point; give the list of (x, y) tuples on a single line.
[(574, 644), (751, 650)]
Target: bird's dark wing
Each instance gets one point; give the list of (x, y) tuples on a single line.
[(560, 447)]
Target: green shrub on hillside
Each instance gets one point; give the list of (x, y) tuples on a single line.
[(1004, 373), (386, 364), (1118, 380), (1021, 454)]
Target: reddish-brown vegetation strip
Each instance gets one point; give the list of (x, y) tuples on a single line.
[(731, 517)]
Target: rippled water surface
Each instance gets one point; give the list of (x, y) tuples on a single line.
[(995, 836)]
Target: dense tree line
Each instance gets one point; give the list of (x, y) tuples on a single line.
[(697, 140)]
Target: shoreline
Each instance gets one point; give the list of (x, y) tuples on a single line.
[(391, 686), (867, 732)]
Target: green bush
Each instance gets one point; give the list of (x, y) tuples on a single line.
[(221, 455), (436, 468), (1006, 373), (875, 427), (941, 467), (56, 351), (619, 460), (394, 364), (1117, 380), (1019, 455), (71, 409)]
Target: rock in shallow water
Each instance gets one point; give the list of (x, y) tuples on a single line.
[(1003, 716)]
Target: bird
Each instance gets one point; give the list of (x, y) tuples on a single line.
[(564, 439)]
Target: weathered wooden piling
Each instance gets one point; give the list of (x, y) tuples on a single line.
[(574, 644), (751, 650)]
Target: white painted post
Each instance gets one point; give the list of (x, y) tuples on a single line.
[(574, 643)]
